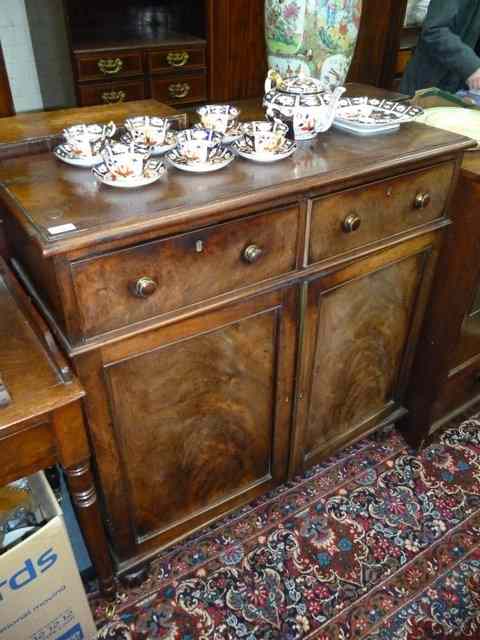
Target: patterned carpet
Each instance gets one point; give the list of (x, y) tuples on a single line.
[(374, 544)]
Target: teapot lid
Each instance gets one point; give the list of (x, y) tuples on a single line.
[(300, 85)]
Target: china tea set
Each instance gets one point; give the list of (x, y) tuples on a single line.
[(297, 107)]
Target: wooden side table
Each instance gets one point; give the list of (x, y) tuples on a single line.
[(41, 420)]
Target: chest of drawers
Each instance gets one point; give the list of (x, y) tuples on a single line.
[(233, 329)]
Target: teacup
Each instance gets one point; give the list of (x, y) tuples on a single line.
[(263, 136), (197, 145), (125, 160), (219, 117), (87, 140), (148, 130)]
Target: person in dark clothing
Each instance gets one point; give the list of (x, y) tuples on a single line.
[(448, 51)]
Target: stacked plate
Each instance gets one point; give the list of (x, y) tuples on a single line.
[(370, 116)]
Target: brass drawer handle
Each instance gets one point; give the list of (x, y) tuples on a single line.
[(422, 200), (110, 97), (144, 287), (252, 254), (351, 223), (179, 89), (177, 58), (110, 66)]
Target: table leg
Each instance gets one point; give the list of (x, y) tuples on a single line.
[(84, 496)]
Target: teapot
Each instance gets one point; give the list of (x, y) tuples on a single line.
[(301, 102)]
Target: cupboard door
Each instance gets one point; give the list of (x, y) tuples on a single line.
[(361, 323), (201, 418)]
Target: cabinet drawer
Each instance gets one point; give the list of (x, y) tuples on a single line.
[(181, 58), (179, 89), (360, 216), (133, 284), (462, 387), (111, 92), (109, 64)]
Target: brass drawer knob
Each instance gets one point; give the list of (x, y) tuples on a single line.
[(144, 287), (351, 223), (110, 97), (252, 253), (110, 66), (177, 58), (179, 89), (422, 200)]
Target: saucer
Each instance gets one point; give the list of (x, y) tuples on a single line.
[(232, 134), (221, 158), (153, 170), (245, 151), (65, 153), (159, 149), (363, 114)]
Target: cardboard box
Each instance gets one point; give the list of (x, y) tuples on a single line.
[(41, 592)]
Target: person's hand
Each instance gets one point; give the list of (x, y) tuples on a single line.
[(474, 80)]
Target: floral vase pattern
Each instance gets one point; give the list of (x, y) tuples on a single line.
[(314, 37)]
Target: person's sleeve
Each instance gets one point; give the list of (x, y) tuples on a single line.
[(443, 44)]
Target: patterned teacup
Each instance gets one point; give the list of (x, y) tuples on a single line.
[(148, 130), (87, 140), (125, 160), (263, 136), (197, 145), (219, 117)]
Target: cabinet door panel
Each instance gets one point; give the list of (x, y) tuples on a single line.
[(196, 418), (360, 332)]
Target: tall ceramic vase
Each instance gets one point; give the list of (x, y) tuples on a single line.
[(315, 37)]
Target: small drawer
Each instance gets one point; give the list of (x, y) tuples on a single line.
[(126, 286), (461, 387), (181, 58), (111, 92), (179, 89), (351, 219), (109, 64)]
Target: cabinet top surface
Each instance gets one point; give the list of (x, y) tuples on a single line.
[(31, 127), (43, 193)]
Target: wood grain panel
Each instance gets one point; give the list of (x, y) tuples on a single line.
[(361, 328), (383, 210), (187, 268), (197, 420)]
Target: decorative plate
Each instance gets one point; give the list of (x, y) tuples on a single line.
[(465, 122), (365, 112), (221, 157), (160, 149), (153, 170), (365, 131), (66, 153), (242, 148)]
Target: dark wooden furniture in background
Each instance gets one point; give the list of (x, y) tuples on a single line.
[(237, 52), (447, 366), (6, 102), (378, 42), (175, 51), (41, 420), (136, 50), (231, 329)]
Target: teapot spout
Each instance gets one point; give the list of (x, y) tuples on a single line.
[(330, 109)]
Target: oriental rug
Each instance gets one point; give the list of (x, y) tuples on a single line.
[(377, 543)]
